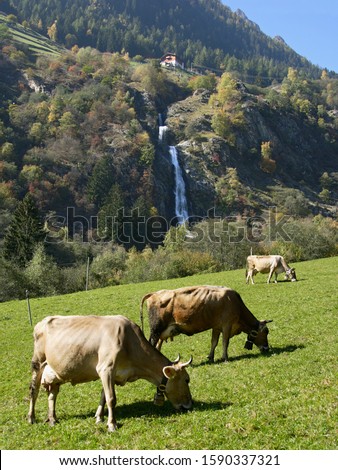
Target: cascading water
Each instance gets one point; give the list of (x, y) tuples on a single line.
[(181, 206), (162, 129)]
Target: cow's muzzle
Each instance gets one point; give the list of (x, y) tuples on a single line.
[(250, 339), (186, 407), (248, 344)]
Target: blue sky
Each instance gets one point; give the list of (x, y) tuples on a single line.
[(310, 27)]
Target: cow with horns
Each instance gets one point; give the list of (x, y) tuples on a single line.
[(191, 310), (79, 349)]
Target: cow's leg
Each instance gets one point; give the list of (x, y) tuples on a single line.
[(34, 389), (214, 341), (52, 390), (276, 274), (226, 338), (109, 391), (99, 415), (270, 274), (250, 276)]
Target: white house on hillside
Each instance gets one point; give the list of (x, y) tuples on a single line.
[(171, 60)]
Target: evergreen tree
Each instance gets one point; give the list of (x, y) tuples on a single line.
[(101, 181), (111, 216), (24, 233)]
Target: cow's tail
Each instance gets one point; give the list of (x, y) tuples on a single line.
[(144, 298), (246, 270)]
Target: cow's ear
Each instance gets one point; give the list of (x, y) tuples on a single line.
[(264, 322), (169, 372)]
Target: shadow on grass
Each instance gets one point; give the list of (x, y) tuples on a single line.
[(147, 410), (272, 352), (280, 281)]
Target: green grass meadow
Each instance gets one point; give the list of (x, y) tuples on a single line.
[(286, 399)]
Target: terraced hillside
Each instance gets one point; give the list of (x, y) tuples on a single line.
[(35, 42)]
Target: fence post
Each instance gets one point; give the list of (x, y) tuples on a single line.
[(29, 308), (87, 274)]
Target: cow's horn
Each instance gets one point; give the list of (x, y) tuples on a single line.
[(267, 321), (177, 360), (186, 364)]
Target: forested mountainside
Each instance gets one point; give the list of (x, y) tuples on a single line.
[(81, 129), (202, 32), (80, 142)]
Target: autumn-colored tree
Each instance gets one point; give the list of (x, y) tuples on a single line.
[(228, 115), (266, 150), (268, 165), (36, 132), (52, 31), (228, 92), (7, 151), (151, 78)]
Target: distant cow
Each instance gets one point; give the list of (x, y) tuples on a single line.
[(268, 264), (191, 310), (79, 349)]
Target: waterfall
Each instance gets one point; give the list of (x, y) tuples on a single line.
[(181, 207), (162, 129)]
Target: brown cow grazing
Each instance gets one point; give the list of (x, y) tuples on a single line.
[(268, 264), (79, 349), (190, 310)]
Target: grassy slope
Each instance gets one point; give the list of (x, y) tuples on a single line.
[(35, 42), (285, 400)]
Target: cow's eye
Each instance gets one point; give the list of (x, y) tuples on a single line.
[(187, 380)]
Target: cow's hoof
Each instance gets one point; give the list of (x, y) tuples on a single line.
[(112, 427), (51, 421), (210, 359)]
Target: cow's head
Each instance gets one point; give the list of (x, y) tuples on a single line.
[(176, 385), (259, 336), (290, 275)]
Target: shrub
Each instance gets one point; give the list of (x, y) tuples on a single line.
[(208, 82), (187, 263), (107, 267), (73, 279), (144, 266), (42, 273), (12, 281), (310, 239)]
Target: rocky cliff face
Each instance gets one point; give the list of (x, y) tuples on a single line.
[(232, 175)]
